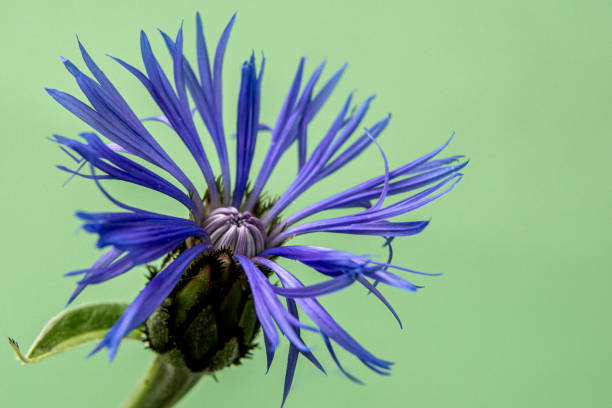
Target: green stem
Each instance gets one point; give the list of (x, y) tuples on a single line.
[(163, 386)]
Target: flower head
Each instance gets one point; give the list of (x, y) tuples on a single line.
[(232, 238)]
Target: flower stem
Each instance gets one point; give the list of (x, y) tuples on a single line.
[(163, 386)]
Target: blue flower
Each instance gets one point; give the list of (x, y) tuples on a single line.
[(233, 216)]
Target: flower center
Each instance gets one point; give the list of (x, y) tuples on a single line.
[(240, 231)]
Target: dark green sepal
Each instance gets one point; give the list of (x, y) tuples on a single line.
[(248, 321), (157, 332), (188, 297), (200, 340), (231, 305), (226, 356)]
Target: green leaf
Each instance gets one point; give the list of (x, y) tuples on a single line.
[(72, 328)]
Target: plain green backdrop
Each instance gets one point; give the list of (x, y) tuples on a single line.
[(520, 317)]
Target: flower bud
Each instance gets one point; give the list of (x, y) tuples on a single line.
[(208, 322)]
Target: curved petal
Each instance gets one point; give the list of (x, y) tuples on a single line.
[(268, 307), (149, 299), (326, 324), (139, 237), (119, 167)]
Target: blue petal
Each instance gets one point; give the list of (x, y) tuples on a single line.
[(204, 63), (379, 295), (203, 96), (175, 107), (113, 118), (380, 228), (301, 182), (355, 149), (385, 188), (339, 263), (340, 131), (143, 237), (148, 300), (286, 130), (324, 288), (327, 325), (293, 355), (218, 65), (322, 96), (369, 189), (128, 231), (119, 167), (408, 184), (269, 308), (402, 207), (335, 358), (247, 125)]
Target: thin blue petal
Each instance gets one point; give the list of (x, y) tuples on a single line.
[(380, 296), (246, 128), (148, 300)]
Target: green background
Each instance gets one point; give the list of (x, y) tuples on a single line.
[(520, 317)]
